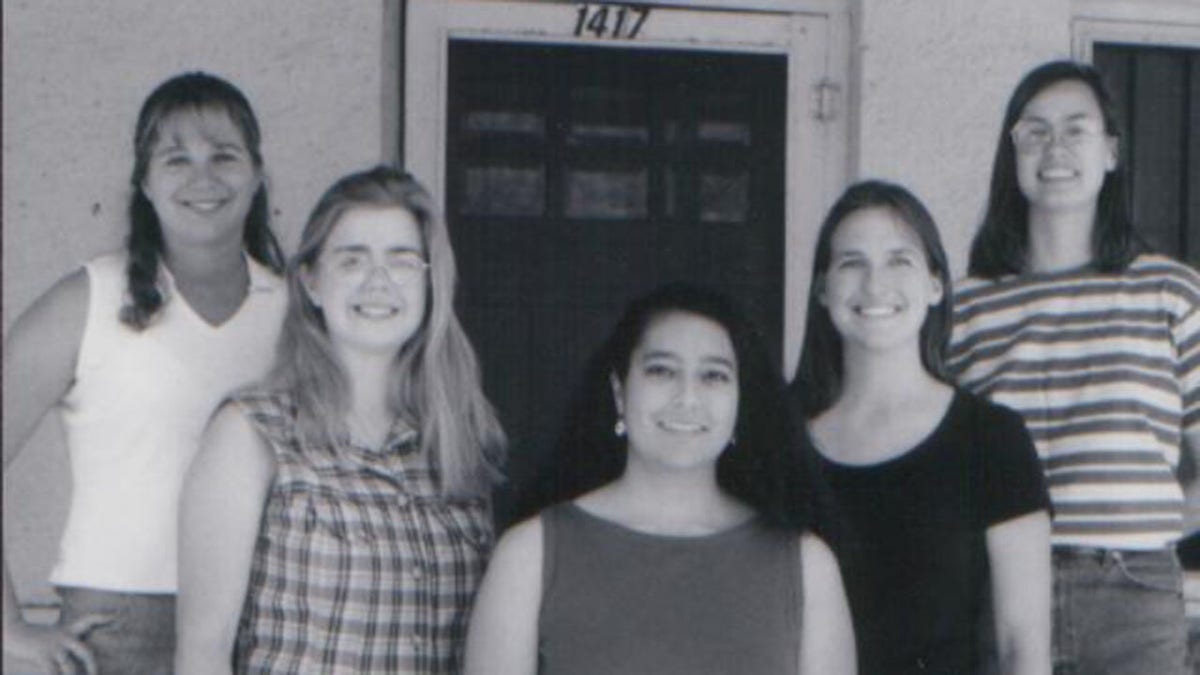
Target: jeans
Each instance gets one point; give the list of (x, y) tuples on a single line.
[(140, 639), (1118, 612)]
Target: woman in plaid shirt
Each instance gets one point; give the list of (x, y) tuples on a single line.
[(336, 519)]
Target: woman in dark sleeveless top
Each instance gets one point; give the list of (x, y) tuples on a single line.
[(672, 552)]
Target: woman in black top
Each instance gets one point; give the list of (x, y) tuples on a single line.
[(933, 492)]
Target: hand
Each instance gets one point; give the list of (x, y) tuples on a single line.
[(57, 649)]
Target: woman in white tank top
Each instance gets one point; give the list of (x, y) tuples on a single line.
[(137, 348)]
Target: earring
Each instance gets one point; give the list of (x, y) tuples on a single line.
[(619, 428)]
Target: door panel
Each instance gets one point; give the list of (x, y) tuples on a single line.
[(579, 177)]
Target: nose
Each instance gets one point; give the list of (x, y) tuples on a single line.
[(203, 174), (873, 280), (377, 275), (687, 395)]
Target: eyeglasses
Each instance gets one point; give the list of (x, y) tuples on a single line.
[(401, 267), (1035, 135)]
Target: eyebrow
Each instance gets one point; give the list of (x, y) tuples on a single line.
[(671, 356), (362, 248), (1070, 118)]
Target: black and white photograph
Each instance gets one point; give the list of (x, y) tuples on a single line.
[(547, 337)]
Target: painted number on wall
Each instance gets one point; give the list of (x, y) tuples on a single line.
[(616, 22)]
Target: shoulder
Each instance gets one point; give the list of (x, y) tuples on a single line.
[(57, 314), (519, 551), (987, 413), (230, 439), (817, 559), (113, 262), (1154, 263), (269, 410), (263, 278)]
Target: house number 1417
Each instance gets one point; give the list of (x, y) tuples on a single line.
[(615, 22)]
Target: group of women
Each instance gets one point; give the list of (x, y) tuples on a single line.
[(293, 474)]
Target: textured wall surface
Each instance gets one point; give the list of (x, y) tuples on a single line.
[(75, 74), (933, 79)]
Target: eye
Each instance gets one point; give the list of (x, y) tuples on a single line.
[(1078, 131), (406, 262), (848, 263), (175, 161), (658, 371), (226, 157), (716, 376), (904, 261), (350, 262)]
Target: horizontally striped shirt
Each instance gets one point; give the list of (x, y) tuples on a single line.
[(1105, 369), (360, 565)]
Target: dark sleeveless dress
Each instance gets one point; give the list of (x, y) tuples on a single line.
[(620, 601)]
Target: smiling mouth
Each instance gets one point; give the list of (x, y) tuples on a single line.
[(375, 310), (682, 426), (1056, 174), (877, 311), (204, 205)]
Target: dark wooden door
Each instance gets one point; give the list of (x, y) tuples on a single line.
[(1158, 92), (580, 177)]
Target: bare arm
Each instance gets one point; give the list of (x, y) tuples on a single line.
[(503, 636), (222, 503), (40, 354), (827, 641), (1019, 554)]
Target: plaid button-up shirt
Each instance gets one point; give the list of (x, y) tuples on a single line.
[(360, 565)]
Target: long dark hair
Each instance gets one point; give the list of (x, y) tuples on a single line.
[(818, 380), (434, 378), (760, 468), (1001, 246), (187, 92)]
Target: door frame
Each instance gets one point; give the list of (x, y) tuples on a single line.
[(804, 31)]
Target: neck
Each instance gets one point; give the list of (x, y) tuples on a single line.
[(223, 263), (368, 375), (671, 501), (880, 378), (1060, 240)]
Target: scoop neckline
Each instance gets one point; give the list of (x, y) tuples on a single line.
[(625, 530), (957, 399)]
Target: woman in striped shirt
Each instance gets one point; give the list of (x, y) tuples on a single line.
[(1097, 344), (340, 509)]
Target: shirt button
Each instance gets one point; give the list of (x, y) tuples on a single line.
[(417, 571)]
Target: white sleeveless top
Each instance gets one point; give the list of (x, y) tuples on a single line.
[(134, 417)]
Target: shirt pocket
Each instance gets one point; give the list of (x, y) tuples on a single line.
[(343, 517), (466, 521)]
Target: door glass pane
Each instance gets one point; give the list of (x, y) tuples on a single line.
[(606, 194), (503, 191), (724, 198)]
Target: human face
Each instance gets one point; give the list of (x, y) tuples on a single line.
[(370, 280), (878, 287), (1066, 173), (201, 179), (680, 396)]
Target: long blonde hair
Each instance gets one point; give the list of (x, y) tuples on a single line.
[(434, 381)]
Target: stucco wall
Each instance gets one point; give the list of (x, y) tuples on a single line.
[(75, 74), (932, 79)]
